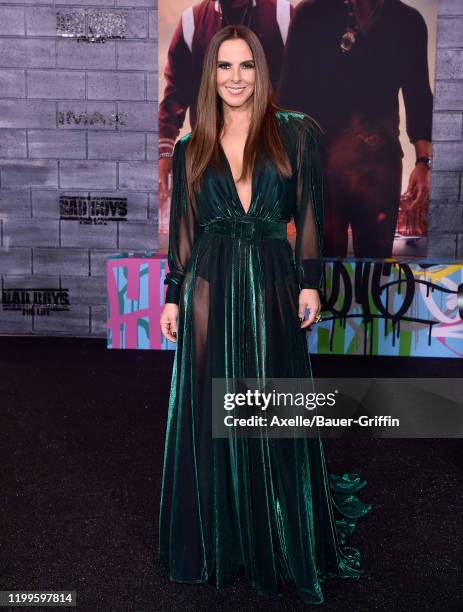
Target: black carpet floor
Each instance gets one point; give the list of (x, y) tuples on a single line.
[(82, 431)]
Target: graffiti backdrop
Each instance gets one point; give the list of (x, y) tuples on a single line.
[(368, 308)]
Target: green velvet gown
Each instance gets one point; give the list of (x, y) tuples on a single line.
[(264, 506)]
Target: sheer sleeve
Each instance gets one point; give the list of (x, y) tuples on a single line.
[(182, 227), (308, 208)]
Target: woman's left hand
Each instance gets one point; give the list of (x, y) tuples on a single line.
[(309, 298)]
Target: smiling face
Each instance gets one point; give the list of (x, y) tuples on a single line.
[(236, 72)]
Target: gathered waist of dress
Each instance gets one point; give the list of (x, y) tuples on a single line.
[(248, 229)]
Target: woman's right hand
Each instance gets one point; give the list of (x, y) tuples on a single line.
[(168, 322)]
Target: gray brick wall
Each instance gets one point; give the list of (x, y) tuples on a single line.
[(59, 136), (445, 233), (76, 119)]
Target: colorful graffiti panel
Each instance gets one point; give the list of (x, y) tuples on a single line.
[(391, 309), (369, 308)]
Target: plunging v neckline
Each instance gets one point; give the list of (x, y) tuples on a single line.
[(245, 213)]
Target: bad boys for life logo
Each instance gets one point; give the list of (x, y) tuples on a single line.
[(37, 301), (93, 26), (92, 210)]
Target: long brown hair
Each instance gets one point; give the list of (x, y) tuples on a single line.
[(263, 136)]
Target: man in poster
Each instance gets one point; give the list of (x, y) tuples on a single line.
[(345, 62)]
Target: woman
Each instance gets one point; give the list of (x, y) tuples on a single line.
[(234, 295)]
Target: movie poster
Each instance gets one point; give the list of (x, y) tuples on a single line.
[(364, 71)]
